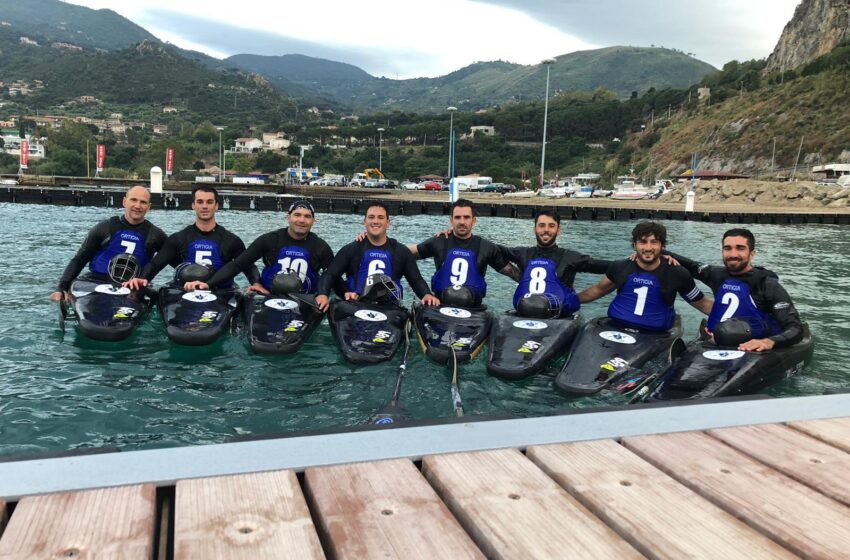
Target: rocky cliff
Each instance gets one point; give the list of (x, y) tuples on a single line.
[(816, 28)]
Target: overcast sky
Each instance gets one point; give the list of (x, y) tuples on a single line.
[(404, 39)]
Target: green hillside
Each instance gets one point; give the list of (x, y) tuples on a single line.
[(55, 21), (149, 73)]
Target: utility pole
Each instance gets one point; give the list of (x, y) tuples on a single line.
[(800, 149), (773, 155)]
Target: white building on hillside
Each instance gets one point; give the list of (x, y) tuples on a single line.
[(246, 146)]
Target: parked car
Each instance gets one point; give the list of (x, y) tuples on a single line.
[(433, 186), (493, 187), (411, 186)]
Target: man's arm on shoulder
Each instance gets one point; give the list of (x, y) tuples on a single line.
[(603, 287)]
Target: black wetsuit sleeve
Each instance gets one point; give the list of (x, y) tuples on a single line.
[(782, 308), (243, 262), (512, 254), (495, 258), (325, 257), (427, 248), (411, 272), (338, 266), (686, 286), (585, 263), (96, 238), (233, 248), (698, 270), (168, 254), (155, 241)]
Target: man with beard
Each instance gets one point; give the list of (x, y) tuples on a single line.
[(545, 287), (749, 293), (205, 242), (646, 286), (461, 259)]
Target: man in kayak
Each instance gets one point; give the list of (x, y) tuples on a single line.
[(205, 242), (545, 287), (294, 248), (376, 253), (129, 233), (461, 259), (647, 286), (750, 293)]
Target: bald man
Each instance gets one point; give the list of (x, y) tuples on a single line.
[(129, 233)]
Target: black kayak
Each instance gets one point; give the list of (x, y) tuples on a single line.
[(280, 324), (367, 333), (105, 310), (706, 370), (520, 347), (197, 318), (609, 355), (443, 328)]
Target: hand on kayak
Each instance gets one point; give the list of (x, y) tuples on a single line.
[(59, 295), (757, 345), (431, 300), (351, 296), (257, 288), (135, 283), (195, 285), (322, 302)]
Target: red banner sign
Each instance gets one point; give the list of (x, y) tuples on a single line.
[(25, 154), (101, 156), (169, 161)]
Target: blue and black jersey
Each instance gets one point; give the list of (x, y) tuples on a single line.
[(461, 262), (754, 296), (214, 248), (281, 252), (645, 298), (360, 259), (551, 270), (109, 238)]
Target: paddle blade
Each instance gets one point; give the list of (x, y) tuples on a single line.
[(390, 413)]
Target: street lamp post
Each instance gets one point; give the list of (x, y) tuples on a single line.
[(451, 111), (219, 129), (548, 62), (380, 147)]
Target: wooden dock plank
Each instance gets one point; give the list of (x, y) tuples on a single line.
[(257, 516), (383, 510), (109, 523), (513, 510), (806, 459), (798, 517), (835, 431), (657, 515)]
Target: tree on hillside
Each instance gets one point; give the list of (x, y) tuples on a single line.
[(71, 136), (206, 132)]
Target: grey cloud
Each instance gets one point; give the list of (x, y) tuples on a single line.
[(715, 30), (231, 39)]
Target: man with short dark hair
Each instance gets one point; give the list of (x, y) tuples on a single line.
[(750, 293), (375, 254), (205, 242), (294, 248), (646, 286), (548, 271), (129, 233), (461, 258)]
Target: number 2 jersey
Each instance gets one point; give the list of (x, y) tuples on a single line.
[(645, 297), (552, 271), (109, 238), (281, 252), (461, 262), (754, 296), (214, 248), (360, 259)]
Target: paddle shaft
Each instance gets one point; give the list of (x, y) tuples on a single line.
[(456, 402)]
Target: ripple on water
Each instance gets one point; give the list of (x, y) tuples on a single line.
[(68, 392)]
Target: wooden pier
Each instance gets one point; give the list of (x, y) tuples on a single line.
[(775, 490)]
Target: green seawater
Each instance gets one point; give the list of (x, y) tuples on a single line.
[(61, 393)]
